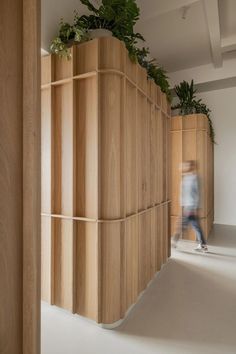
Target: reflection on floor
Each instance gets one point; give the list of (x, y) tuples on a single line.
[(190, 308)]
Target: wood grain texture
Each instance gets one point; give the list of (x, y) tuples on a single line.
[(153, 157), (46, 73), (86, 58), (20, 178), (110, 272), (131, 160), (142, 78), (111, 54), (110, 115), (47, 259), (46, 151), (62, 67), (63, 121), (64, 263), (109, 162), (142, 150), (131, 264), (87, 270), (86, 147), (130, 68)]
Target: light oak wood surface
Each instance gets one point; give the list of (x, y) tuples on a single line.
[(108, 127), (20, 177)]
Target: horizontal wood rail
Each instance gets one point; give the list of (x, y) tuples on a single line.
[(79, 218), (101, 71)]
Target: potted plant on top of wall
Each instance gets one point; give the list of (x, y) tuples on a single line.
[(116, 18), (188, 104), (112, 17)]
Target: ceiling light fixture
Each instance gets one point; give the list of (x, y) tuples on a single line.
[(184, 11)]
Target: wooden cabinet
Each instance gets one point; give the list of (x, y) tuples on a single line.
[(190, 140), (105, 157)]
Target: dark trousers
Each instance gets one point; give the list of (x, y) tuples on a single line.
[(184, 222)]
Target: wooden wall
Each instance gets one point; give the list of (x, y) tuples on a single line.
[(105, 193), (20, 177), (190, 140)]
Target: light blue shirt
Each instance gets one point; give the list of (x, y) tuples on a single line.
[(190, 191)]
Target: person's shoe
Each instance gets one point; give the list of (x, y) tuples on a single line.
[(198, 248), (201, 248), (205, 248)]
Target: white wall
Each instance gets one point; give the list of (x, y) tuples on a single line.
[(223, 106)]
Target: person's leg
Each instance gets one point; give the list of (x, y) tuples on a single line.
[(180, 226), (197, 228)]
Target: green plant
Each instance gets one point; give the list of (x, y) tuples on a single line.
[(155, 72), (117, 16), (188, 104), (68, 34), (120, 17)]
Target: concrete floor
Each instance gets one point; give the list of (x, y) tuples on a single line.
[(190, 308)]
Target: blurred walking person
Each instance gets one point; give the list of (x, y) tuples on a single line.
[(189, 202)]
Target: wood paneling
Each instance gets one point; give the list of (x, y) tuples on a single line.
[(111, 54), (47, 260), (110, 272), (86, 59), (110, 115), (62, 67), (131, 159), (86, 272), (20, 177), (63, 263), (106, 160), (86, 147), (142, 150)]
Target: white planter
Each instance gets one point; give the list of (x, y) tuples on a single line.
[(100, 32)]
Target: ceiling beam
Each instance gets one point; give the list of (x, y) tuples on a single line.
[(213, 22), (228, 44)]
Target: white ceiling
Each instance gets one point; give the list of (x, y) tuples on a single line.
[(208, 30)]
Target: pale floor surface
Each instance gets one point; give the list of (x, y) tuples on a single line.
[(190, 308)]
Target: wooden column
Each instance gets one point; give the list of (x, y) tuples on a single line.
[(20, 177), (108, 179)]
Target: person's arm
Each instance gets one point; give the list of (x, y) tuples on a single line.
[(196, 193)]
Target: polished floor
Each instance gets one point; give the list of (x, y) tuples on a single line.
[(190, 308)]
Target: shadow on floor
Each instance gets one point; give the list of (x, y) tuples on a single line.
[(200, 305)]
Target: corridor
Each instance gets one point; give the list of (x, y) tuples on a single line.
[(189, 308)]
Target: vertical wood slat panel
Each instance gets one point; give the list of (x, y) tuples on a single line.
[(131, 167), (20, 177), (46, 151), (141, 150), (86, 147), (153, 158), (148, 155), (131, 261), (47, 260), (47, 233), (110, 272), (144, 236), (63, 119), (64, 263), (160, 154), (110, 91), (87, 270)]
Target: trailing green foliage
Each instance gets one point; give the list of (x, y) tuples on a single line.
[(188, 104), (119, 17)]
